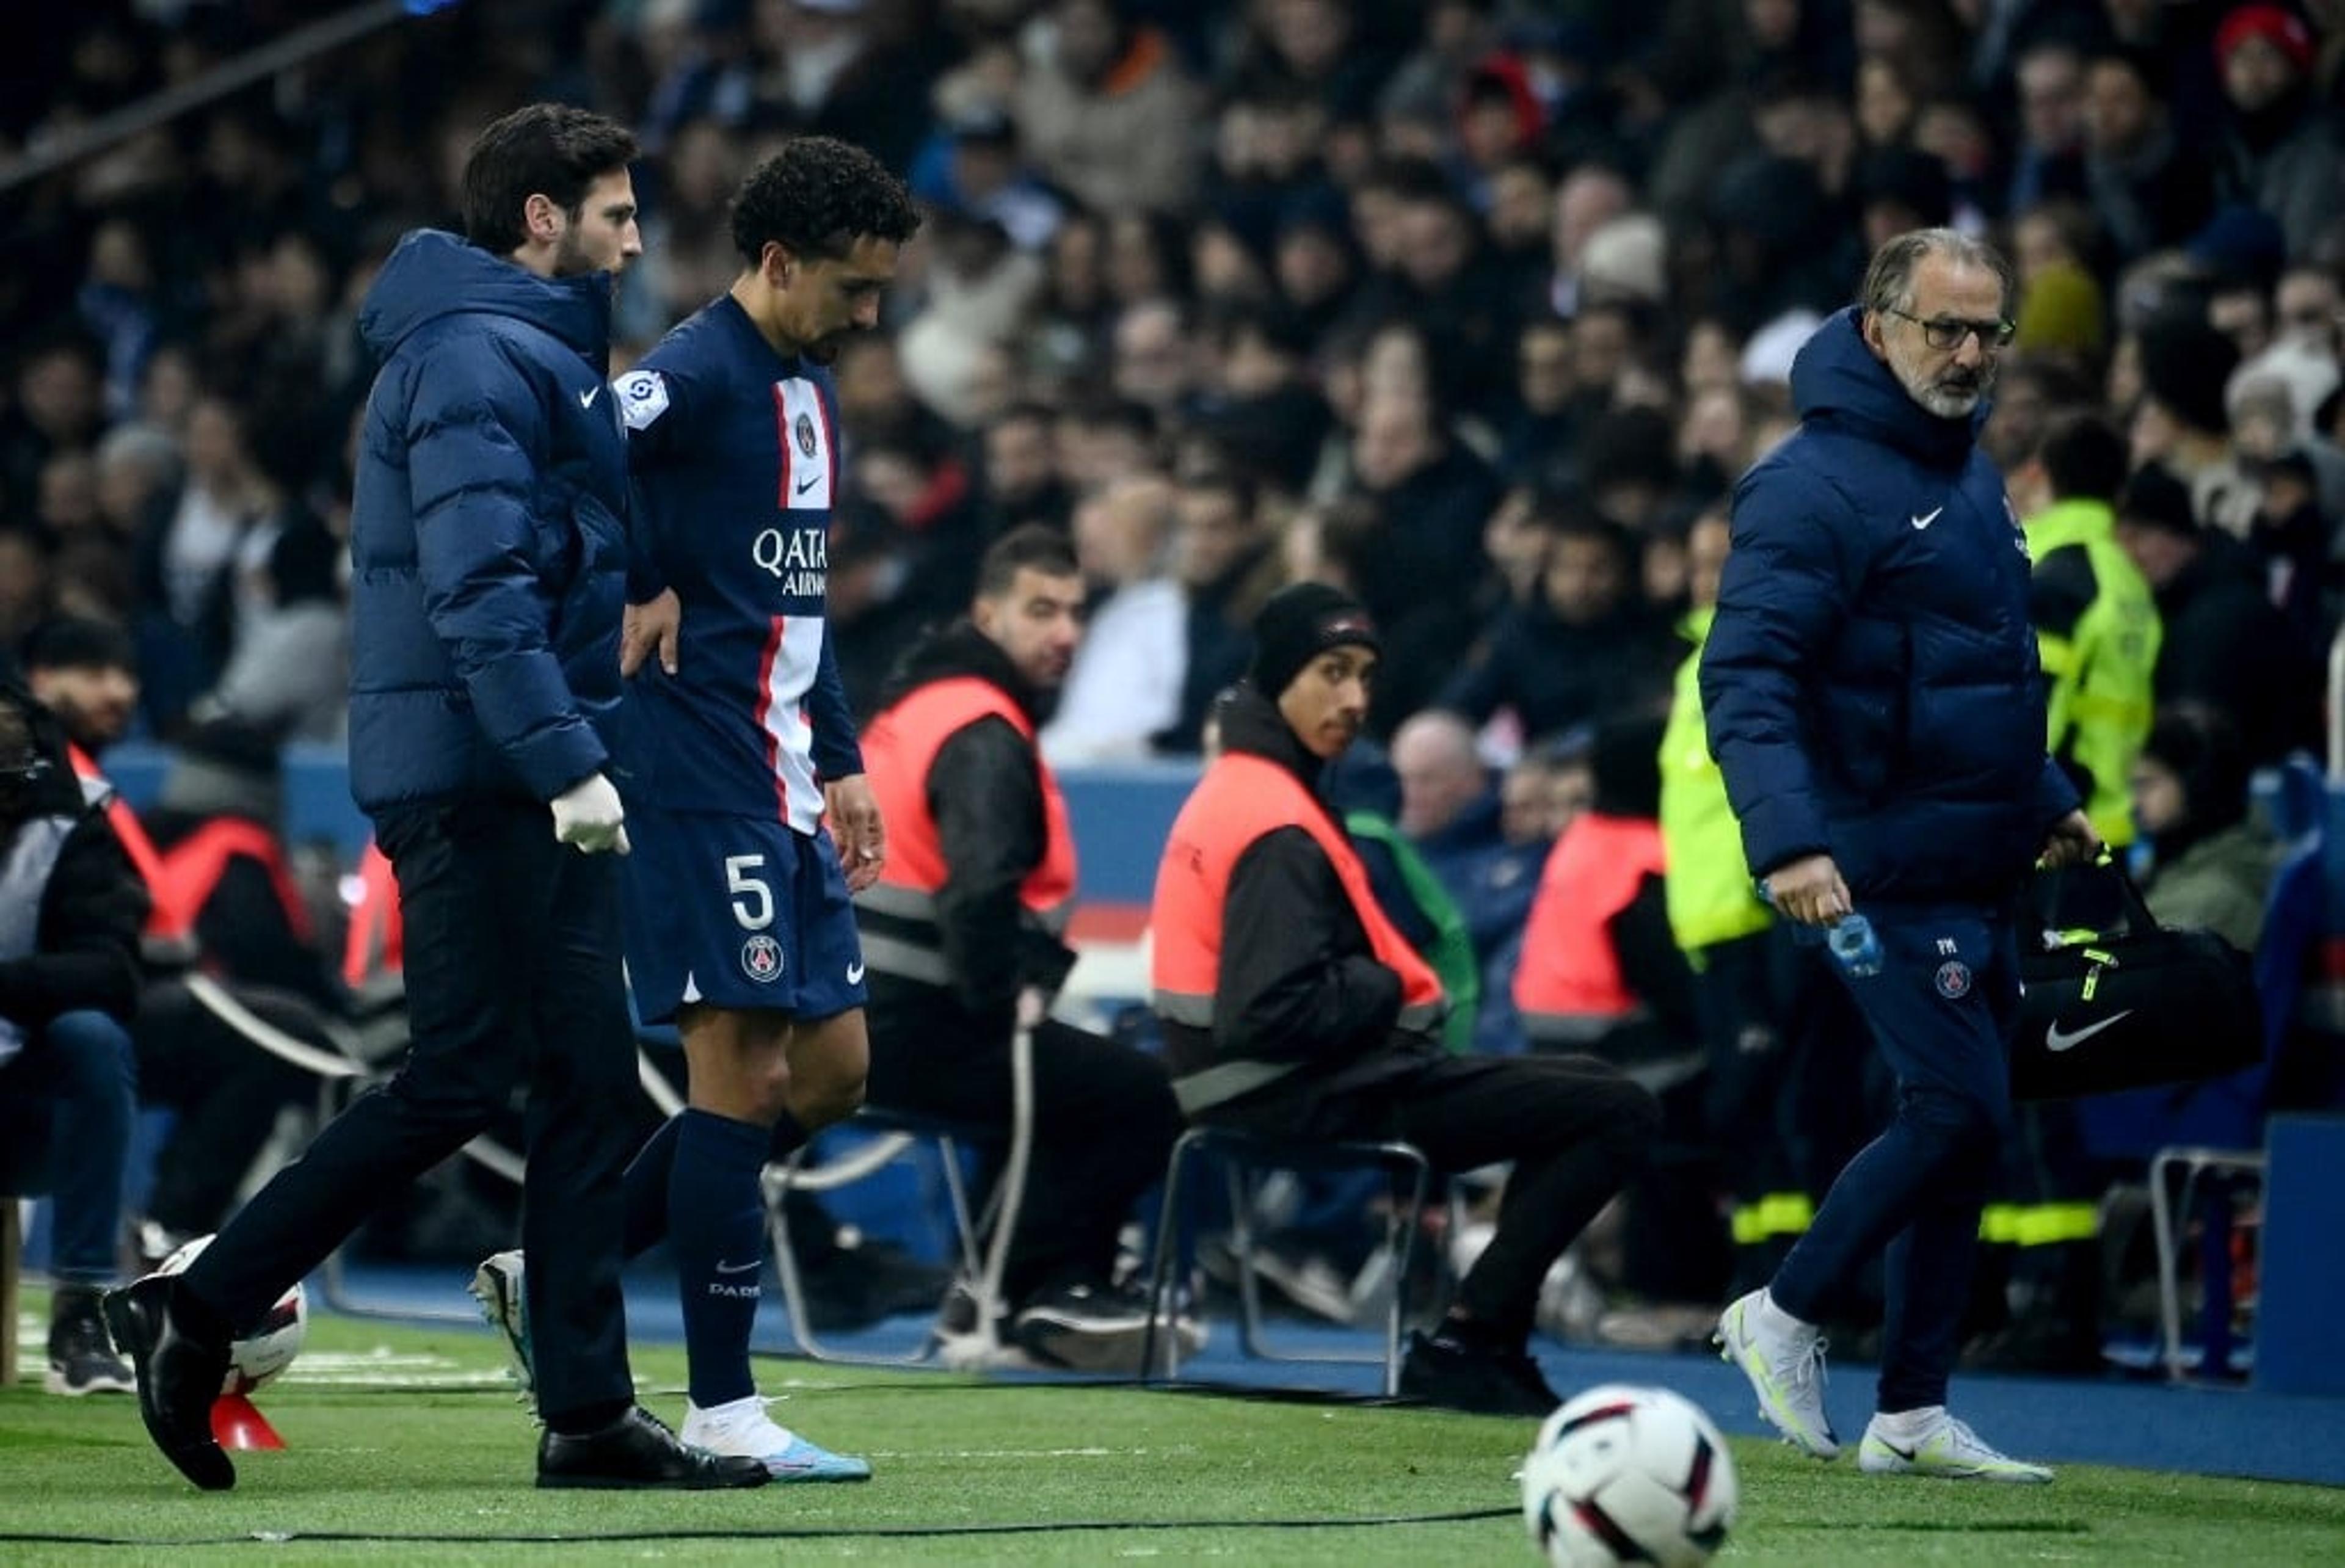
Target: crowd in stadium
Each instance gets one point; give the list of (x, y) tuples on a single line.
[(1473, 309)]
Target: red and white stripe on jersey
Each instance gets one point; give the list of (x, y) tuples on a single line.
[(809, 452), (785, 675)]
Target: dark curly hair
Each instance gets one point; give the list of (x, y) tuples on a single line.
[(818, 196)]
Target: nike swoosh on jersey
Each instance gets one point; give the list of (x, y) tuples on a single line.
[(1924, 520), (808, 482), (2055, 1038)]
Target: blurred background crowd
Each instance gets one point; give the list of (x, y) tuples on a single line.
[(1474, 308)]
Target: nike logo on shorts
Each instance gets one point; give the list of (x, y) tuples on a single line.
[(855, 973)]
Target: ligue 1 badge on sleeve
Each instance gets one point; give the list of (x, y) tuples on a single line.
[(761, 959)]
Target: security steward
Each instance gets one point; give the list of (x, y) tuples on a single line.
[(2097, 625), (962, 938), (1293, 1008)]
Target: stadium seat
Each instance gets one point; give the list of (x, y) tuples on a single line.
[(981, 1264), (1245, 1157), (2212, 1134)]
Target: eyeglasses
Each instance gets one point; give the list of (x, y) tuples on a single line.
[(1946, 335)]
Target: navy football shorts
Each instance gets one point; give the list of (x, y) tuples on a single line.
[(738, 912)]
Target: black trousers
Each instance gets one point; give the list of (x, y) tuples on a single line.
[(513, 981), (1574, 1127), (227, 1093), (1104, 1123)]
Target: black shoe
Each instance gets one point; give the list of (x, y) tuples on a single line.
[(178, 1378), (637, 1451), (1091, 1328), (854, 1287), (1484, 1383), (81, 1359)]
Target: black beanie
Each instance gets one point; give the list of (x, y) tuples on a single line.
[(1303, 621)]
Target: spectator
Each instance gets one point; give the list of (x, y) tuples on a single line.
[(1584, 648), (289, 673), (1106, 111), (1227, 564), (1018, 475), (2282, 149), (2208, 864), (1124, 686), (2149, 187), (2225, 647)]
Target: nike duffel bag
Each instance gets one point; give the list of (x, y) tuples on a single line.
[(2113, 1000)]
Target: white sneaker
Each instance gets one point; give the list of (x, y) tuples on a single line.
[(497, 1285), (1786, 1371), (743, 1429), (1948, 1449)]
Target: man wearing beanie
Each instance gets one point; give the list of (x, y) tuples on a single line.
[(1293, 1008)]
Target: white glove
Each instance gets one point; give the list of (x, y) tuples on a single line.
[(588, 814)]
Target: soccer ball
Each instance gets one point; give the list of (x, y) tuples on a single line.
[(1623, 1474), (269, 1348)]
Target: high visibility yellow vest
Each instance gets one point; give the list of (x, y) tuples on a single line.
[(1710, 896), (2101, 700)]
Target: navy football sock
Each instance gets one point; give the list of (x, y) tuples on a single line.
[(716, 1227), (646, 1188)]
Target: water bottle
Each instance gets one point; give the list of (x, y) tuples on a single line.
[(1854, 947)]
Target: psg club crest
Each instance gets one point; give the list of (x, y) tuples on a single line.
[(761, 959), (804, 433), (1954, 980)]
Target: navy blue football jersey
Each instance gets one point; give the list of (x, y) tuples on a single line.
[(735, 453)]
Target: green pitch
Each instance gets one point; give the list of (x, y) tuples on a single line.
[(404, 1446)]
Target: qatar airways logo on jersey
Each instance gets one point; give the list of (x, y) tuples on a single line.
[(796, 558)]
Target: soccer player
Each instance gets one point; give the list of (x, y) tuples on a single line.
[(489, 553), (737, 748)]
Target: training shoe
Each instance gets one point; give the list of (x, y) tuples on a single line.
[(743, 1429), (1948, 1449), (178, 1378), (497, 1287), (1786, 1371), (638, 1452), (81, 1358), (1443, 1372), (1095, 1329)]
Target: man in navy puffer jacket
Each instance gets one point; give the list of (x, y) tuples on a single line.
[(489, 539), (1873, 701)]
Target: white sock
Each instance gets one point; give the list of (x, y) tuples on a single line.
[(1775, 1320), (1909, 1424), (732, 1410)]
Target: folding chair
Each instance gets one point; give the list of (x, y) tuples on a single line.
[(982, 1263), (1247, 1156)]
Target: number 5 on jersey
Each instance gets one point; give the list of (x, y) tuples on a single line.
[(752, 899)]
